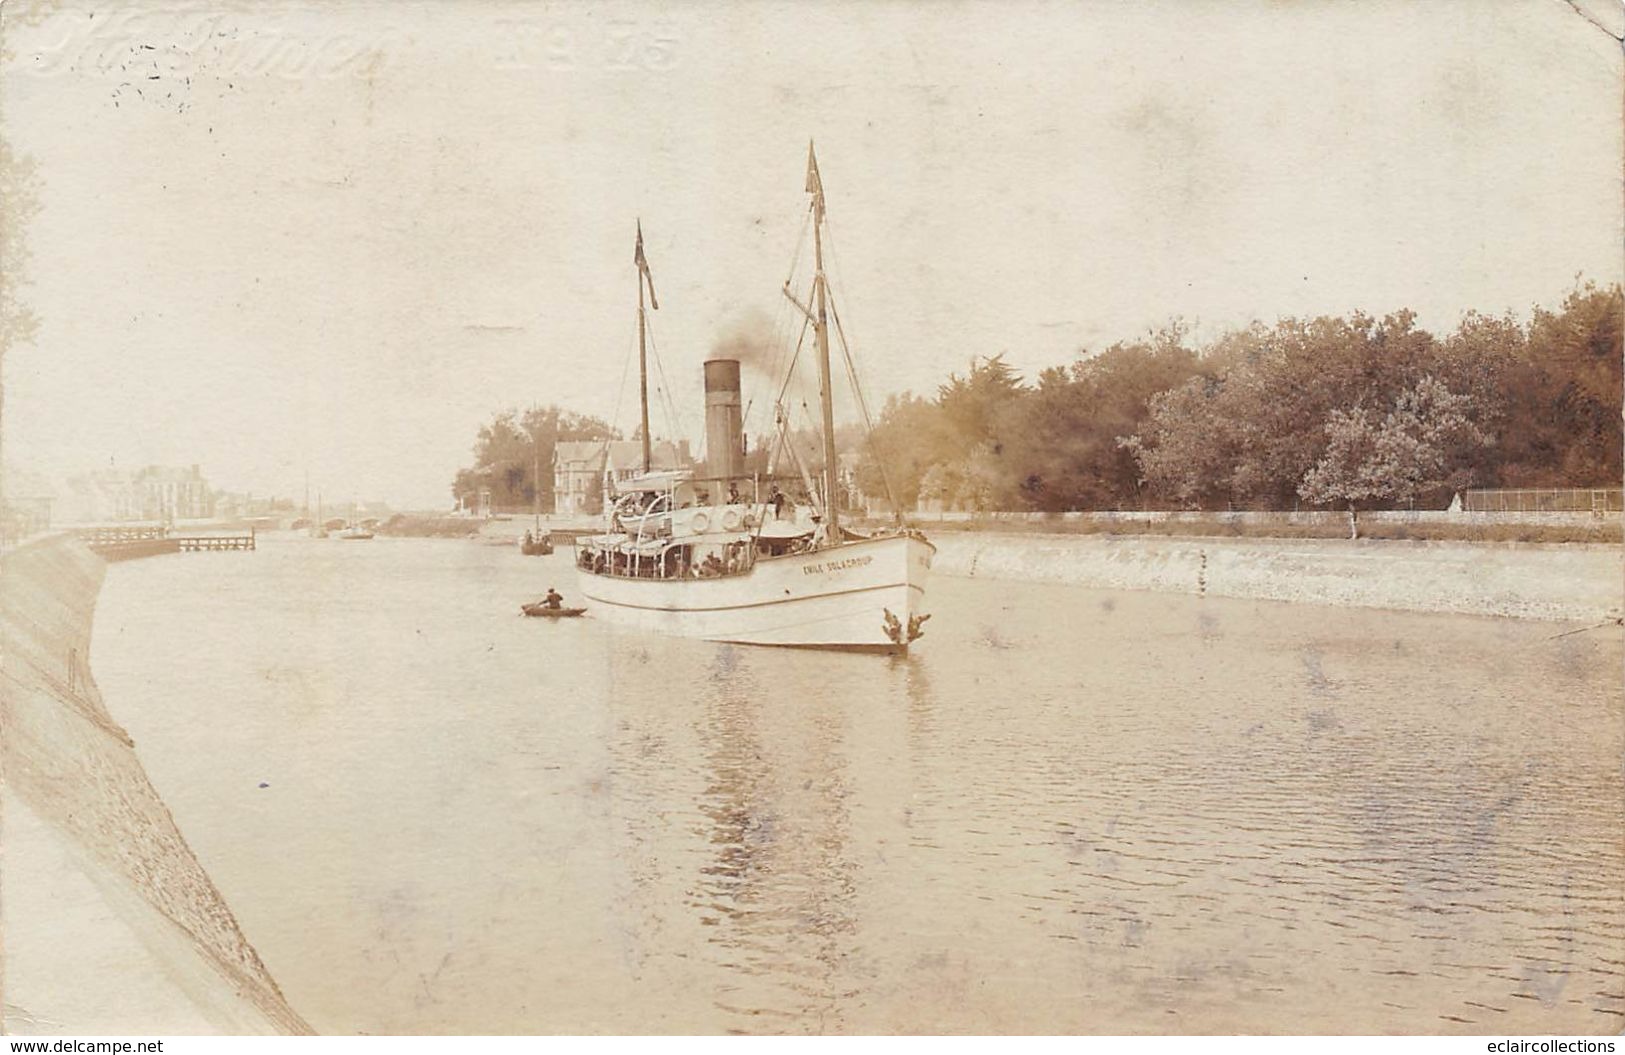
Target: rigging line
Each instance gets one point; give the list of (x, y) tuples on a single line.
[(835, 268), (791, 371), (868, 420), (779, 345), (782, 321), (654, 353), (851, 366), (673, 419), (782, 344), (801, 241), (620, 392), (854, 375)]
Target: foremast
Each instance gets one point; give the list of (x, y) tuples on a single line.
[(820, 323), (644, 279)]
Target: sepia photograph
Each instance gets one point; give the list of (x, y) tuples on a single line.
[(851, 519)]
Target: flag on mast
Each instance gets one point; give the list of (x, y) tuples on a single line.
[(642, 263), (815, 186)]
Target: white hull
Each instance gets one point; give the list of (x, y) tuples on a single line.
[(830, 598)]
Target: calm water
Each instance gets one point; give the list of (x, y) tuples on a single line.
[(1069, 810)]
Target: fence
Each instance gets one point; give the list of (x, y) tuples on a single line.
[(1597, 501)]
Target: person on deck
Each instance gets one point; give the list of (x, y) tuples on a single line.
[(776, 499), (733, 494)]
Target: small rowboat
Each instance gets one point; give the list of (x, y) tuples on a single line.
[(541, 610)]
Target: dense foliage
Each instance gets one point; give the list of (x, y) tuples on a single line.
[(513, 455), (1345, 412), (1354, 412)]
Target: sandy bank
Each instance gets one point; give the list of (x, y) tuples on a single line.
[(98, 882), (1559, 582)]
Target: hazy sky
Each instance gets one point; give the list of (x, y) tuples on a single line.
[(289, 239)]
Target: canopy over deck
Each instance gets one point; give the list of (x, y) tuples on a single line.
[(663, 480)]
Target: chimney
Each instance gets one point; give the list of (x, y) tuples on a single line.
[(724, 423)]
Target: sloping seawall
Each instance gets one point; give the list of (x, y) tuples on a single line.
[(1558, 582), (96, 876)]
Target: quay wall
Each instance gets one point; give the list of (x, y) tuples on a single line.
[(93, 861), (1523, 580)]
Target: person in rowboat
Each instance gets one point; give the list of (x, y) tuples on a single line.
[(553, 600)]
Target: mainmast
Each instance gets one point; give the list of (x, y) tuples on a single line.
[(643, 350), (815, 187)]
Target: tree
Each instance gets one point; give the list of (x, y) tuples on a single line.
[(1563, 394), (972, 404), (513, 455), (911, 436), (1063, 440), (1421, 444), (1247, 432), (1262, 412), (1188, 445)]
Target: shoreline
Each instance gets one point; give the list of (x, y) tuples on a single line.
[(1427, 525), (1555, 582), (105, 856), (1568, 529)]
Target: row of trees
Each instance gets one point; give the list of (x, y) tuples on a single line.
[(1348, 412)]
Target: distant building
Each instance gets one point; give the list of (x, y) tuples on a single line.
[(174, 494), (232, 506), (583, 468), (99, 497), (155, 493)]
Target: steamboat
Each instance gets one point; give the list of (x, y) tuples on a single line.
[(759, 558)]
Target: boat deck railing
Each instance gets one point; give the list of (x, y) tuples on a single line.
[(671, 563)]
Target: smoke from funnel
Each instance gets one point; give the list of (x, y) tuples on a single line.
[(746, 338)]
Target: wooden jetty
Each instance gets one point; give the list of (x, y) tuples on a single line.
[(195, 543), (126, 543)]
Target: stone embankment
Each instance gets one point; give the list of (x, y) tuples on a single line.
[(1557, 582), (100, 886)]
